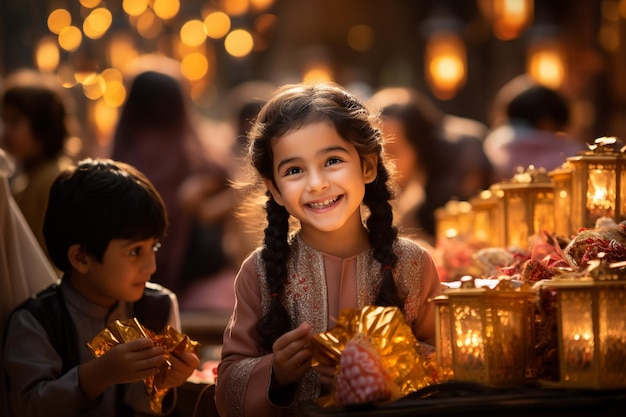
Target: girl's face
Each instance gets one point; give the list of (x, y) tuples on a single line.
[(320, 178), (122, 275), (18, 137)]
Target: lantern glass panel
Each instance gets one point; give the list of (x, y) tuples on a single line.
[(576, 335), (600, 192), (612, 335), (517, 226), (468, 348), (622, 196), (543, 218)]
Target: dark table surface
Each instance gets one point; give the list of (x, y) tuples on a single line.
[(461, 399)]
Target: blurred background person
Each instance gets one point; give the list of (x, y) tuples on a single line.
[(37, 122), (438, 157), (529, 127), (157, 133)]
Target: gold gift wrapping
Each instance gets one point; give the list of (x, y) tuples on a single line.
[(411, 364), (122, 331)]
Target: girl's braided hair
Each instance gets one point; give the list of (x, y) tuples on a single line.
[(293, 107)]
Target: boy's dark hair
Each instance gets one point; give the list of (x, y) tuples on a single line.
[(293, 107), (97, 201)]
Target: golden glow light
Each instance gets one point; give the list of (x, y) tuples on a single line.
[(192, 33), (134, 7), (235, 7), (58, 20), (148, 25), (217, 25), (166, 9), (194, 66), (114, 93), (47, 54), (510, 17), (445, 64), (546, 64), (317, 72), (121, 50), (260, 5), (94, 86), (90, 4), (70, 38), (103, 118), (97, 23), (65, 76), (239, 43)]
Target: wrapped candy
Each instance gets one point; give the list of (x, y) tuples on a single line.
[(122, 331), (376, 355)]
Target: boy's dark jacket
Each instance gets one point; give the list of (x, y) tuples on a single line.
[(49, 308)]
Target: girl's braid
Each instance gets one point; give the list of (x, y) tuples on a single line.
[(382, 235), (274, 254)]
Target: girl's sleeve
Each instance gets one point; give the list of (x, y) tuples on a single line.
[(244, 372), (34, 369)]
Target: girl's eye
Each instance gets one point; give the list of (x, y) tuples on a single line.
[(333, 161), (135, 251), (292, 171)]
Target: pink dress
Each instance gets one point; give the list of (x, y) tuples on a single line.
[(319, 286)]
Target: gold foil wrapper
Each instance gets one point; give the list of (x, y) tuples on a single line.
[(122, 331), (411, 364)]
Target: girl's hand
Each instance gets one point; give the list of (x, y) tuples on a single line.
[(183, 366), (292, 358)]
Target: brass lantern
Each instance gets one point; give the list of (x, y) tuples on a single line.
[(598, 184), (528, 200), (489, 332), (591, 328)]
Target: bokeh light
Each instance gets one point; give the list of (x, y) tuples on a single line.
[(58, 20), (239, 43), (360, 38), (192, 33), (47, 54), (194, 66), (97, 23), (135, 7), (70, 38), (166, 9), (217, 25)]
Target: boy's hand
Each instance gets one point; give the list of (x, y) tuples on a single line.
[(292, 358), (183, 365), (123, 363), (132, 361)]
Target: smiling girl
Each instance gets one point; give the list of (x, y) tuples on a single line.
[(319, 156)]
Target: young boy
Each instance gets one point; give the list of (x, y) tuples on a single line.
[(102, 229)]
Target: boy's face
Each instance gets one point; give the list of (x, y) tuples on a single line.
[(126, 267)]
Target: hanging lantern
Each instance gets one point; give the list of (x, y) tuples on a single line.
[(598, 184), (528, 200), (591, 327), (485, 334), (562, 180), (445, 60)]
